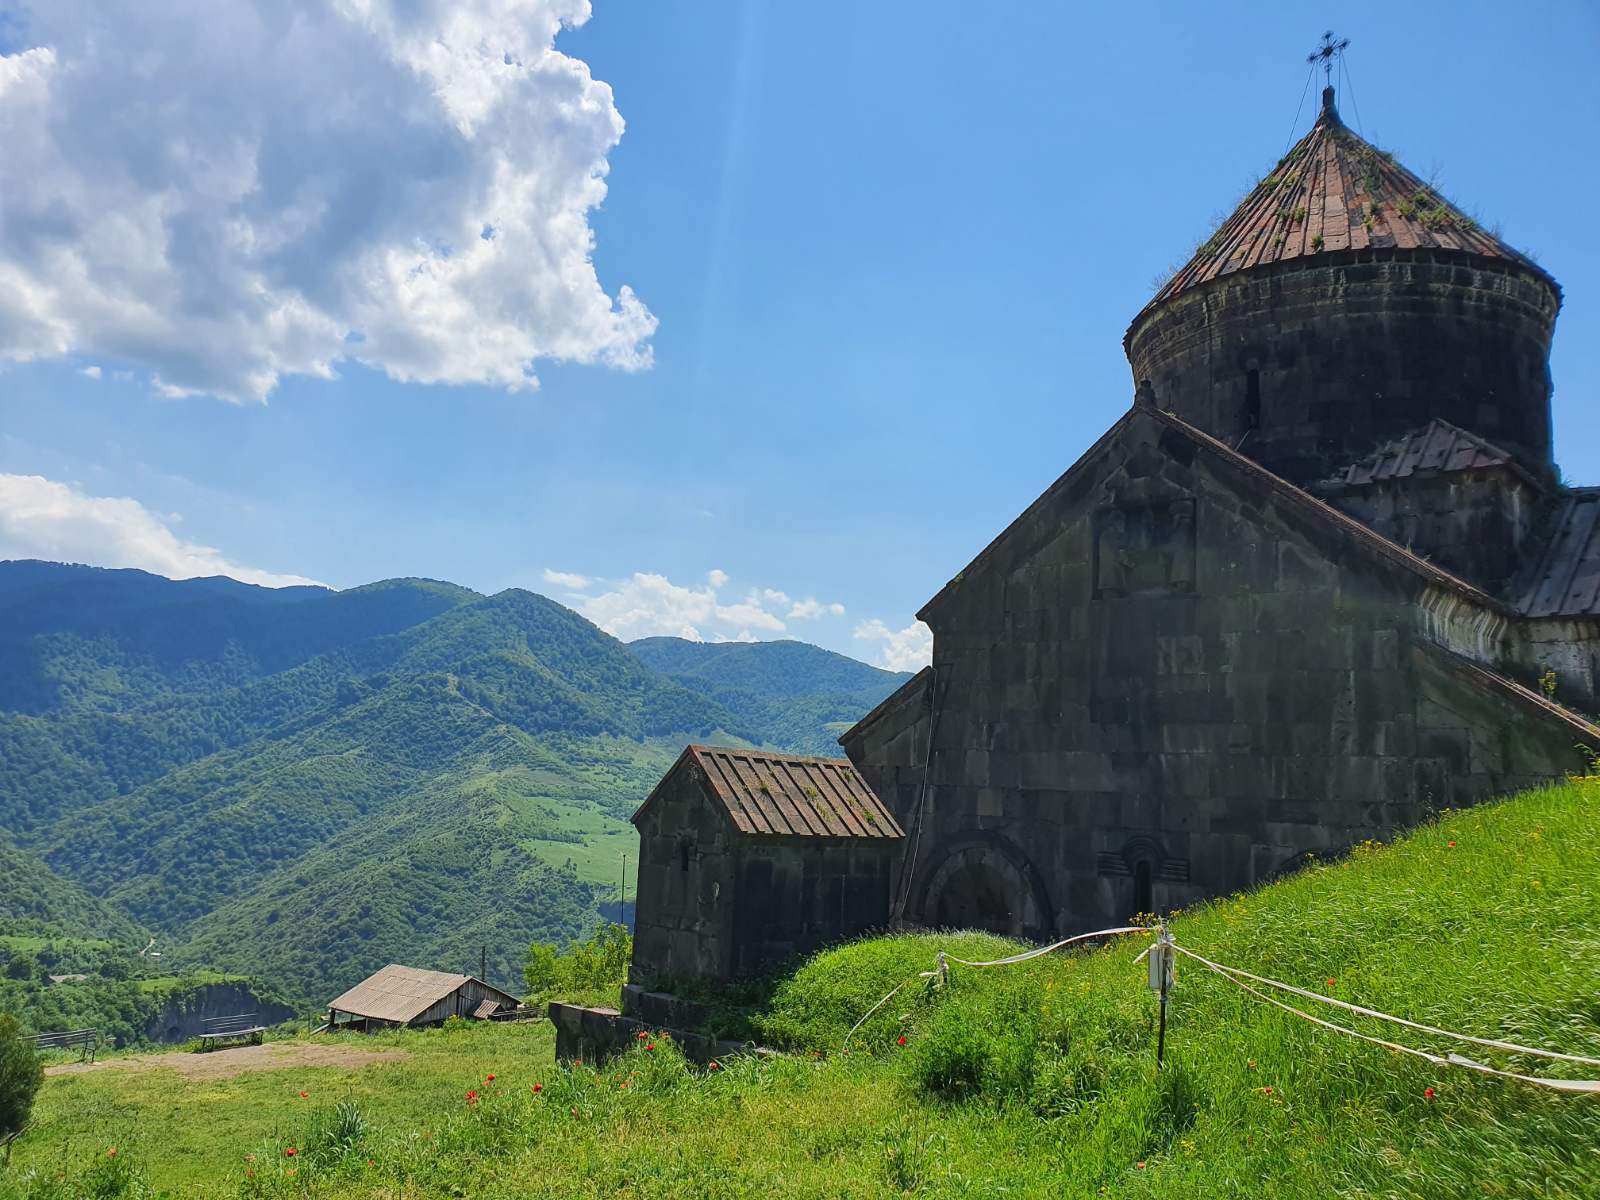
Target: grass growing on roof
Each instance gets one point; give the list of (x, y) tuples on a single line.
[(1030, 1080)]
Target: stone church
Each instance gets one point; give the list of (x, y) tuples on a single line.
[(1320, 580)]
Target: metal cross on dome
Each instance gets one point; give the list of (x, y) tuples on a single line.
[(1326, 52)]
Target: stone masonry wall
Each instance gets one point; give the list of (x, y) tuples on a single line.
[(683, 920), (1168, 685), (1351, 349), (801, 894)]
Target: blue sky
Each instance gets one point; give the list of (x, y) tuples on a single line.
[(890, 249)]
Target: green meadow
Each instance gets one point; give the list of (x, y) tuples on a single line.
[(1031, 1080)]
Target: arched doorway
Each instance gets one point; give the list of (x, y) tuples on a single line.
[(983, 881), (975, 897)]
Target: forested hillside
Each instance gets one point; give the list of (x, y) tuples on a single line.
[(305, 784), (790, 694)]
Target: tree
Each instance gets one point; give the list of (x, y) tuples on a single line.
[(599, 963), (21, 1073), (21, 966)]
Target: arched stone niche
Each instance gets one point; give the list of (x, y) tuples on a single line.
[(984, 881)]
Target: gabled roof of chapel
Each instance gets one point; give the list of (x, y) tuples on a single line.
[(1332, 192), (1317, 513), (770, 794)]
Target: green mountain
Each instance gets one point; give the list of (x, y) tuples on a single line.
[(37, 904), (791, 695), (305, 784)]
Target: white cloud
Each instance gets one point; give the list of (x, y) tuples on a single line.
[(647, 605), (91, 372), (908, 649), (717, 578), (41, 518), (811, 608), (566, 579), (224, 192)]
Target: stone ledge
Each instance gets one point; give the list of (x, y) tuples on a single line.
[(593, 1035), (662, 1008)]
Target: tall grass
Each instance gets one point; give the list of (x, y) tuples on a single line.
[(1040, 1079)]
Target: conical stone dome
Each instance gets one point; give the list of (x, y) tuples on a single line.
[(1345, 302)]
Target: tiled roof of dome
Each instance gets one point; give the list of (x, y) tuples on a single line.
[(1335, 192)]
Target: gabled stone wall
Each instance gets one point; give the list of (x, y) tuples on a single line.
[(1167, 682)]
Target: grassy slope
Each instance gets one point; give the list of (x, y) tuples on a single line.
[(1494, 935)]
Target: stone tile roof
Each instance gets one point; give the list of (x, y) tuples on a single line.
[(1335, 192), (1566, 582), (398, 993), (1438, 446), (767, 794)]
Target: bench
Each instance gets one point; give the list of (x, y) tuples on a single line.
[(85, 1041), (239, 1027)]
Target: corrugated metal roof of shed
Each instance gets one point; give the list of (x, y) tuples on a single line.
[(768, 794), (398, 993)]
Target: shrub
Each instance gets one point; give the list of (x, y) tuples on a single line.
[(601, 963), (21, 1073)]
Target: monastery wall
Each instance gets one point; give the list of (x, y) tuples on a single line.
[(1167, 683)]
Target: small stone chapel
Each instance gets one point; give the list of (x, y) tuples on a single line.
[(1320, 579)]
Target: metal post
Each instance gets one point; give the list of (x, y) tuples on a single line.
[(1161, 1032), (622, 891), (1162, 960)]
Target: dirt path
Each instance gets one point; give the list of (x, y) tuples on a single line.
[(223, 1064)]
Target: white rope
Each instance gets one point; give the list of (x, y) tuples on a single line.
[(1491, 1043), (844, 1045), (943, 958), (1452, 1060), (1035, 953)]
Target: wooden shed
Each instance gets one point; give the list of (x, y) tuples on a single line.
[(400, 995)]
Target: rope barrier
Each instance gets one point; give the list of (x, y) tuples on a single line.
[(1452, 1060), (943, 959), (1160, 971), (1491, 1043), (1035, 953)]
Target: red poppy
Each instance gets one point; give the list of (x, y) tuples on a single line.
[(641, 1035), (623, 1084), (372, 1162), (649, 1045), (488, 1078), (1333, 983), (111, 1153), (1140, 1165), (901, 1040), (538, 1087), (1427, 1093), (1451, 843), (303, 1095), (472, 1097), (577, 1062), (290, 1152), (715, 1065)]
